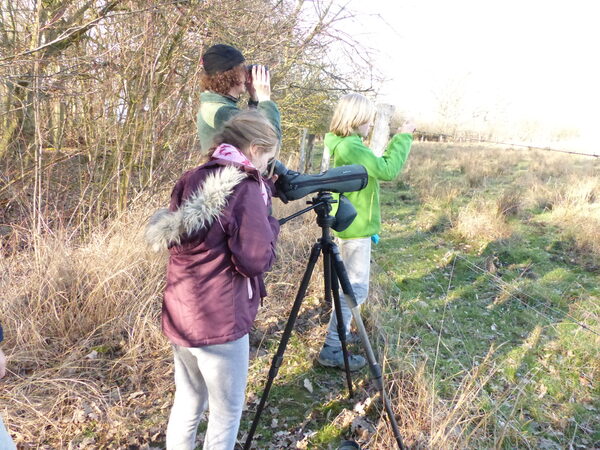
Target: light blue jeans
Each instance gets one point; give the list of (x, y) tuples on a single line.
[(212, 376), (356, 254), (6, 443)]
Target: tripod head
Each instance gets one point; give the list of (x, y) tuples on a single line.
[(323, 203)]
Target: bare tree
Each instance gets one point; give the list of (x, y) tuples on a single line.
[(100, 97)]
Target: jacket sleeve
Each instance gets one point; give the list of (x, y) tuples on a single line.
[(387, 167), (178, 192), (271, 111), (223, 114), (252, 232)]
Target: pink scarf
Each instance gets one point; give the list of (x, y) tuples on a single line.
[(230, 153)]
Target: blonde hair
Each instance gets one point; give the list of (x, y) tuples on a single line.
[(245, 129), (352, 111)]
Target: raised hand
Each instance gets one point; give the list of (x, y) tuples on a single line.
[(407, 127), (261, 83)]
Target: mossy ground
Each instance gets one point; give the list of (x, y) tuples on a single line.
[(524, 297)]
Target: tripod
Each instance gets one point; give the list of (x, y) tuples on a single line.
[(334, 272)]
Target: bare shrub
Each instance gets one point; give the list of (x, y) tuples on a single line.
[(112, 87)]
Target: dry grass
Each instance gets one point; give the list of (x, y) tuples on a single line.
[(87, 358), (577, 213), (81, 320), (567, 186), (481, 220)]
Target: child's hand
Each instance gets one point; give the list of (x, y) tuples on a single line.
[(2, 364), (407, 127), (261, 82)]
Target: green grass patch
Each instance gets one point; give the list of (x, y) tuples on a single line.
[(524, 296)]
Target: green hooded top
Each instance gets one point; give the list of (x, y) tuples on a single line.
[(216, 109), (351, 150)]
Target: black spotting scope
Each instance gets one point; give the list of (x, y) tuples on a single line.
[(294, 185)]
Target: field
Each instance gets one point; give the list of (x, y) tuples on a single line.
[(490, 268), (484, 308)]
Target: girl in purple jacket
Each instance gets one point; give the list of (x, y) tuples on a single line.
[(221, 241)]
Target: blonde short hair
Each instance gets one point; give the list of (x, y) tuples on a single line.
[(245, 129), (352, 111)]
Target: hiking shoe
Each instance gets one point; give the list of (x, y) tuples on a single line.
[(334, 357), (353, 338)]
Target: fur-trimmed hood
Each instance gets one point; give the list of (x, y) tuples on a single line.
[(166, 228)]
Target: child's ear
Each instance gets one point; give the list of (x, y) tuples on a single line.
[(253, 151)]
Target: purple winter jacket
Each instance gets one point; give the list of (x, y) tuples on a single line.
[(221, 241)]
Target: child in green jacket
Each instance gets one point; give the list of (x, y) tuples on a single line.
[(352, 121)]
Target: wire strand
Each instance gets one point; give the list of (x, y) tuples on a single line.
[(530, 147)]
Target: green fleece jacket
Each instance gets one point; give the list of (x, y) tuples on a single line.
[(216, 109), (351, 150)]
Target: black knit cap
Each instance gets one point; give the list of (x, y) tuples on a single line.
[(220, 58)]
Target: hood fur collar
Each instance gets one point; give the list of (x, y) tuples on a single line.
[(166, 228)]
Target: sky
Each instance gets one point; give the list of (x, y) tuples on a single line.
[(524, 59)]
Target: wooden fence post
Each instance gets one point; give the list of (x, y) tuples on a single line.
[(381, 128), (302, 153), (325, 159), (310, 144)]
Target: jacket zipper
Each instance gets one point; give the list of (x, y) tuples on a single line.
[(250, 292)]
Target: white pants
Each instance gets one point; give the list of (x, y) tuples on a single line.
[(356, 254), (6, 443), (213, 376)]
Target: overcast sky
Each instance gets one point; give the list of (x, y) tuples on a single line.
[(533, 59)]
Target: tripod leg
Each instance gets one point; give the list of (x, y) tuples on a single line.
[(331, 285), (376, 372), (278, 358)]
